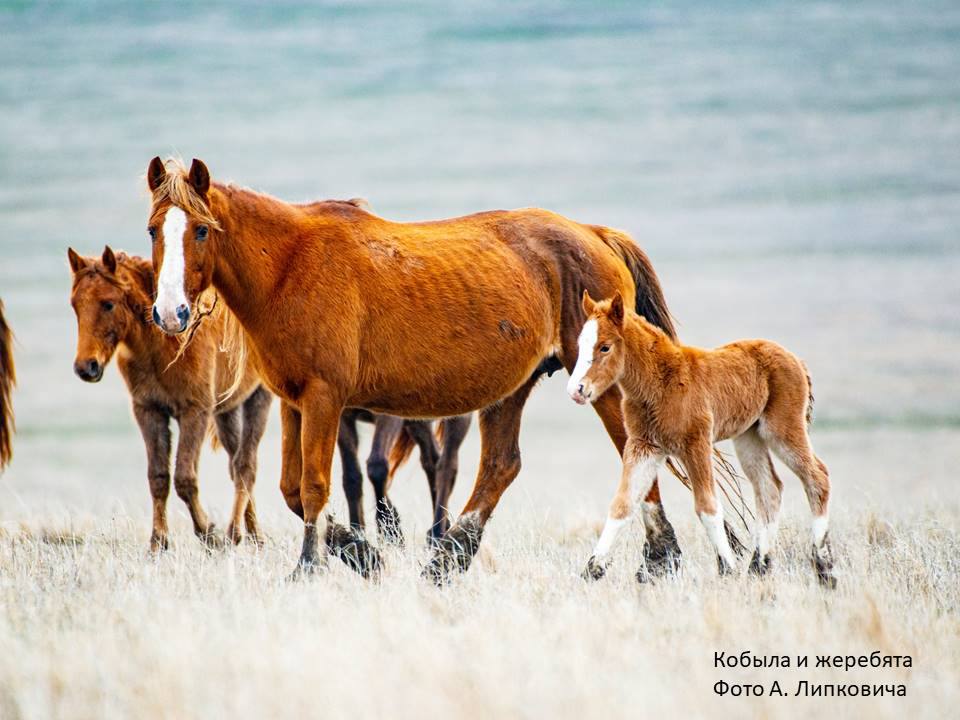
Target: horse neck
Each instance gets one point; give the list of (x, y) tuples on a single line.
[(251, 251), (651, 358)]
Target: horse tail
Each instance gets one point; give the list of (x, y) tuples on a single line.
[(400, 452), (214, 435), (8, 378), (650, 302)]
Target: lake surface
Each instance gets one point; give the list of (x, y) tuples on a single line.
[(793, 171)]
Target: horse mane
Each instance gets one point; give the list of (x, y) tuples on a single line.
[(177, 190), (8, 378)]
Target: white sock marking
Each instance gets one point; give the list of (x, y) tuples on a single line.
[(717, 535), (819, 528), (610, 531)]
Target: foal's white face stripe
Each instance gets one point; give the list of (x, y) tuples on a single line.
[(588, 338), (170, 293)]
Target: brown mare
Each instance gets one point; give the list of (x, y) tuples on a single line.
[(112, 297), (393, 440), (342, 308), (679, 400), (8, 378)]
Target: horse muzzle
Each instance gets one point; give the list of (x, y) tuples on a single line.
[(172, 323), (90, 371)]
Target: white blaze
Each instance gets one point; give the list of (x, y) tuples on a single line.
[(170, 292), (588, 338)]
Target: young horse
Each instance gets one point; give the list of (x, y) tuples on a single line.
[(345, 309), (111, 298), (679, 400), (8, 378), (397, 437)]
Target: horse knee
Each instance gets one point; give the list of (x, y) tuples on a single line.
[(186, 487)]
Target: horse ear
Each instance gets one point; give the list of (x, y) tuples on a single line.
[(156, 174), (616, 309), (109, 260), (587, 302), (199, 177), (77, 262)]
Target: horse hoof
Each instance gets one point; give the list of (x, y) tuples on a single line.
[(758, 566), (304, 570), (662, 558), (213, 539), (354, 551), (256, 539), (234, 534), (594, 570), (391, 533), (825, 575), (159, 543), (723, 567)]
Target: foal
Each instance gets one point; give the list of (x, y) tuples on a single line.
[(111, 298), (679, 400)]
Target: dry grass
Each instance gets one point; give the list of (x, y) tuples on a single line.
[(91, 628)]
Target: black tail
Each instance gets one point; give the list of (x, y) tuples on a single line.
[(651, 303)]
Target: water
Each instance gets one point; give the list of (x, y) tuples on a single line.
[(794, 171)]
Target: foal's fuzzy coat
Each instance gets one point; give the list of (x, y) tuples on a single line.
[(112, 298), (679, 400)]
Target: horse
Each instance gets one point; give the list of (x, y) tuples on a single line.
[(195, 384), (8, 378), (679, 400), (393, 440), (344, 309)]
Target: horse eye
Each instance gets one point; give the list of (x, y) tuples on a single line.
[(107, 305), (202, 232), (604, 348), (152, 231)]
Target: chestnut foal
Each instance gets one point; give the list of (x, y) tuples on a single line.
[(679, 400), (112, 297)]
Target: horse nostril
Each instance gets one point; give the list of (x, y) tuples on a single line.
[(93, 368), (156, 316), (183, 315), (580, 389)]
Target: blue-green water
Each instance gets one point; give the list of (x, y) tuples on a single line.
[(793, 169)]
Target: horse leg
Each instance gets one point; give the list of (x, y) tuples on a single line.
[(347, 445), (698, 460), (454, 432), (790, 442), (320, 421), (661, 551), (767, 488), (640, 463), (291, 457), (155, 428), (228, 431), (256, 412), (385, 432), (193, 428), (499, 465), (422, 434)]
